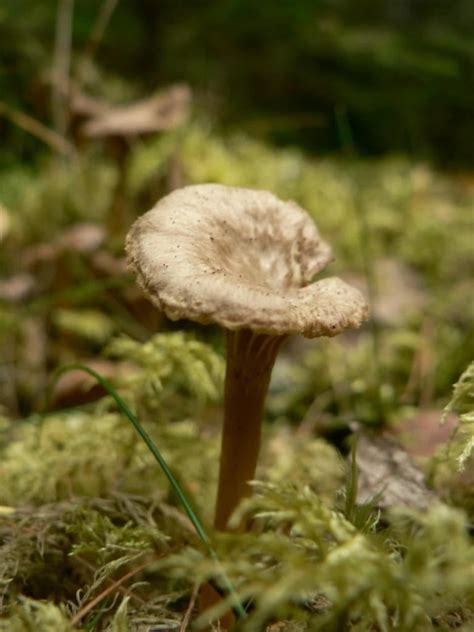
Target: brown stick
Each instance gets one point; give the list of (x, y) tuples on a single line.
[(250, 359), (98, 30), (189, 609), (34, 127), (104, 593), (61, 66)]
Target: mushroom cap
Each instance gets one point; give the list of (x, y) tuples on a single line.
[(240, 258), (165, 110)]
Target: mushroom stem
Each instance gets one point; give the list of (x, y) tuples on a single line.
[(250, 359)]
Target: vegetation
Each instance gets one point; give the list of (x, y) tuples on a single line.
[(92, 537)]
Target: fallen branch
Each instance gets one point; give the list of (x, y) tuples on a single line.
[(37, 129)]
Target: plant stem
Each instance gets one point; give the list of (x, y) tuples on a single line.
[(250, 359), (61, 66)]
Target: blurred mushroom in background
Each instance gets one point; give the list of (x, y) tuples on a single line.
[(120, 125)]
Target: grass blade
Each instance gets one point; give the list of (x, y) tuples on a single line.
[(197, 524)]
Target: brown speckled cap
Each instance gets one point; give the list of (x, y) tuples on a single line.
[(240, 258)]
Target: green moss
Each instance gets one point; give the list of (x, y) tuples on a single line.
[(451, 471), (313, 563), (305, 564), (82, 503), (92, 325), (462, 403), (170, 366), (40, 205), (29, 615)]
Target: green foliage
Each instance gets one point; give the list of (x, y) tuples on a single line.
[(306, 565), (451, 471), (29, 615), (96, 534), (87, 454), (91, 541), (170, 365), (41, 205), (56, 461), (287, 69), (435, 564), (311, 462), (316, 565), (62, 457), (120, 620), (92, 325), (461, 447)]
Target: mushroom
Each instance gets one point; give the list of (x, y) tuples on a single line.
[(121, 125), (163, 111), (245, 260)]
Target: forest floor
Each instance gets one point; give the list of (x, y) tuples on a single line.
[(92, 537)]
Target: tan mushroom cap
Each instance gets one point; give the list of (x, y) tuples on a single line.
[(166, 110), (240, 258)]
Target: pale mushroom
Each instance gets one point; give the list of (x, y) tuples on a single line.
[(120, 125), (245, 260), (163, 111)]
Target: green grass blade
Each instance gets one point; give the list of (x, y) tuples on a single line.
[(197, 524)]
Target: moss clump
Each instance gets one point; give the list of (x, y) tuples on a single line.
[(312, 562), (42, 205), (452, 470), (42, 616), (174, 373), (461, 447)]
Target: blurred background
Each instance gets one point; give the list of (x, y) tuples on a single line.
[(362, 112), (384, 76)]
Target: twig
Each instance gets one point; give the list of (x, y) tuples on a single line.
[(116, 584), (189, 609), (98, 30), (61, 65), (34, 127), (123, 591)]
